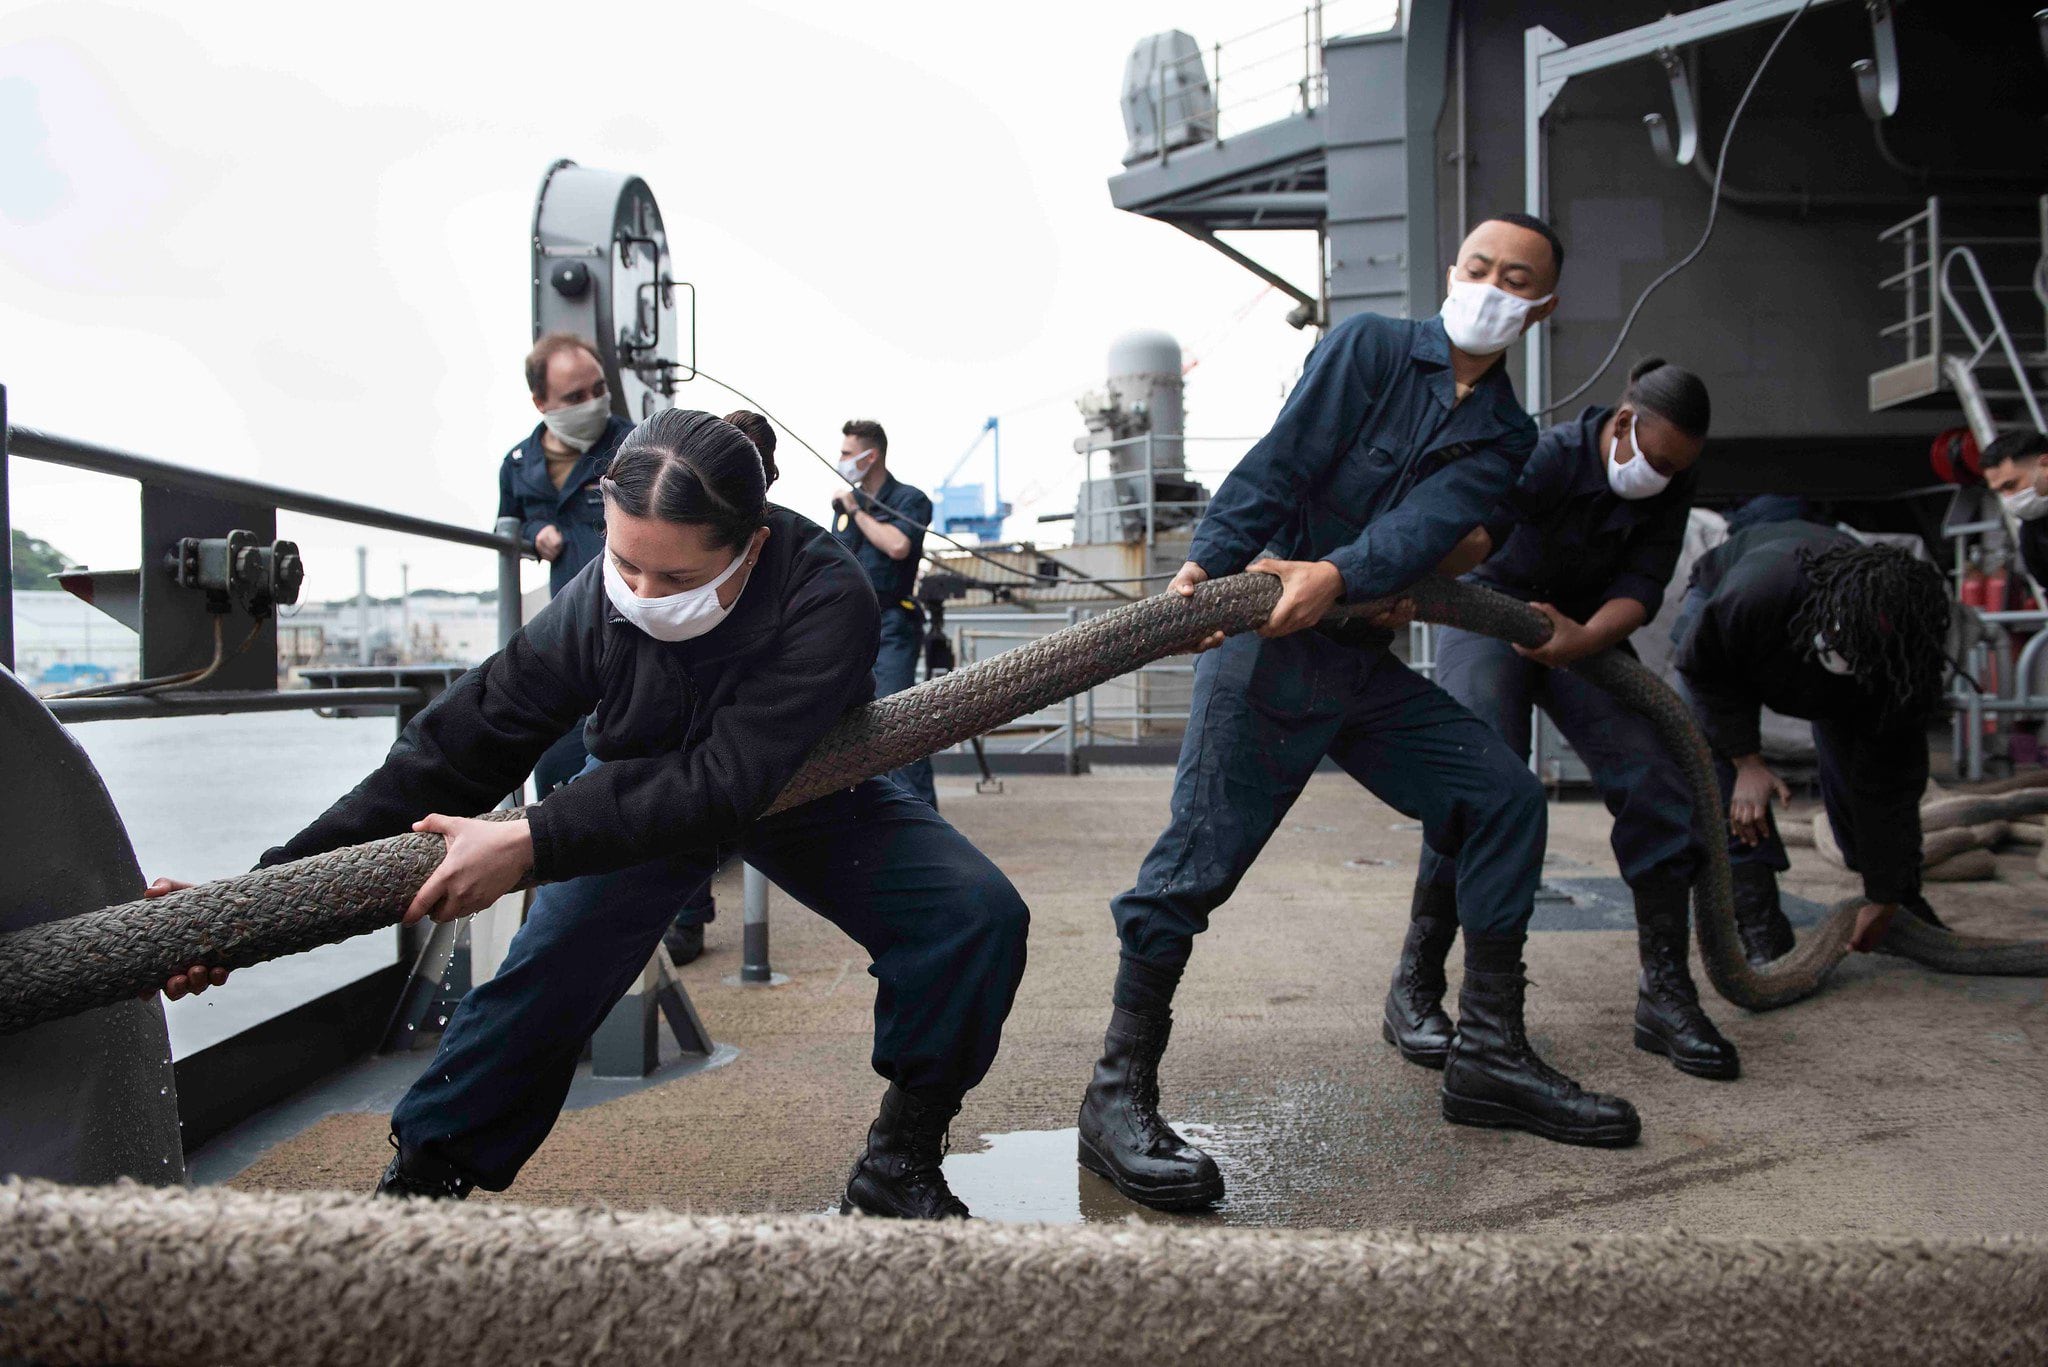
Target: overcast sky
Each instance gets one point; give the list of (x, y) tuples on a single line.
[(295, 248)]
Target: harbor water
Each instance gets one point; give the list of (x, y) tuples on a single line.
[(203, 797)]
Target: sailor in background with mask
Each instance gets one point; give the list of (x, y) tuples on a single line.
[(1400, 438), (1590, 537), (2014, 468), (882, 521), (550, 482)]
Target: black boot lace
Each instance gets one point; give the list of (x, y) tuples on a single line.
[(928, 1138), (1515, 1035), (1152, 1127)]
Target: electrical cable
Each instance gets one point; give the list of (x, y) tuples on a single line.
[(1621, 336), (1713, 212), (214, 668), (164, 682), (1029, 576)]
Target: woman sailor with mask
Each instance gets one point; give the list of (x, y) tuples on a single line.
[(1589, 537), (713, 643)]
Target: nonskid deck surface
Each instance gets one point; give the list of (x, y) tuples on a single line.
[(1896, 1101)]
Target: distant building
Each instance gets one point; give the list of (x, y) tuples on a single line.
[(432, 627), (60, 642)]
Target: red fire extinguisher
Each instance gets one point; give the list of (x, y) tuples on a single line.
[(1974, 590), (1997, 585)]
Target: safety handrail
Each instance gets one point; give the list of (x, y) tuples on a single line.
[(1207, 64), (34, 444), (1920, 236), (1996, 334), (29, 443)]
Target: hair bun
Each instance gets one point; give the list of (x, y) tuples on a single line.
[(759, 431), (1645, 366)]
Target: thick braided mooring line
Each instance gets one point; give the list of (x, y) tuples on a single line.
[(175, 1278), (94, 959)]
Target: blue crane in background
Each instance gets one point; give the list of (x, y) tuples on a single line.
[(962, 507)]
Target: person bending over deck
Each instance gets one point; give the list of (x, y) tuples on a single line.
[(1810, 622), (1590, 536), (712, 645), (1400, 438)]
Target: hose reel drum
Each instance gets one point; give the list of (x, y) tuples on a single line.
[(601, 270)]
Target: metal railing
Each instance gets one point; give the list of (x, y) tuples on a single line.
[(416, 946), (1919, 238), (2015, 690), (30, 443), (1135, 497), (1928, 253), (1994, 333), (1288, 75)]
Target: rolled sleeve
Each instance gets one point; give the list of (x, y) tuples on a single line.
[(1640, 587)]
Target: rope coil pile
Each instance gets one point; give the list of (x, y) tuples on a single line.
[(176, 1277), (95, 959)]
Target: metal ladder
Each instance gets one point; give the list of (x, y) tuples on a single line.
[(1993, 343), (1950, 299)]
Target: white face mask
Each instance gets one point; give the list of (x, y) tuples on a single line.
[(2026, 505), (580, 424), (1636, 478), (850, 468), (1484, 319), (679, 616), (1830, 660)]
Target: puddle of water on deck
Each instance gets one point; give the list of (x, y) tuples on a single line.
[(1031, 1176)]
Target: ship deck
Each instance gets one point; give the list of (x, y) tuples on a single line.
[(1895, 1101)]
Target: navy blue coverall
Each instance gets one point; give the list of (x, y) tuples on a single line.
[(909, 510), (1735, 657), (1375, 466), (577, 511), (1564, 537)]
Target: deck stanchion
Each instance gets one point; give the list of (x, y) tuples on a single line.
[(754, 931)]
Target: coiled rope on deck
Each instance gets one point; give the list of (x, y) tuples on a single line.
[(100, 957), (185, 1278)]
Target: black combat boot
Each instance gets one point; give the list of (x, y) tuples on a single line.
[(1669, 1020), (1123, 1137), (1759, 920), (416, 1174), (1414, 1021), (1494, 1079), (898, 1176)]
